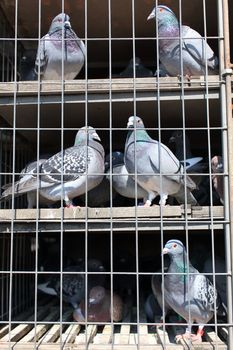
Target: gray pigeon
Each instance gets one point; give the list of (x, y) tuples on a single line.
[(73, 285), (82, 167), (60, 44), (193, 297), (217, 178), (196, 53), (148, 154), (140, 70), (121, 181)]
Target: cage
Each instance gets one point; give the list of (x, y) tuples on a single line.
[(53, 253)]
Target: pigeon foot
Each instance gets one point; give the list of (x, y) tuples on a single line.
[(194, 338)]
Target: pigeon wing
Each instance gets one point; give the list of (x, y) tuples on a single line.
[(164, 161), (204, 293), (71, 163), (198, 48), (41, 57)]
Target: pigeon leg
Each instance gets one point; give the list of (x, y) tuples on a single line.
[(197, 337), (148, 202), (68, 202), (192, 337), (163, 199)]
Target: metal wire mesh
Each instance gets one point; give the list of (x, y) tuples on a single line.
[(54, 247)]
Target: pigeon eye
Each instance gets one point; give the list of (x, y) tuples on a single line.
[(161, 10), (174, 245)]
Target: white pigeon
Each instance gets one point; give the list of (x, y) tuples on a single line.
[(67, 174), (60, 47)]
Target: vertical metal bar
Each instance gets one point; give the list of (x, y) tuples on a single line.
[(110, 152), (13, 172), (226, 107)]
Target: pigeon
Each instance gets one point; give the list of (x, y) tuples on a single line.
[(73, 285), (147, 156), (193, 297), (140, 70), (161, 71), (217, 168), (27, 65), (60, 45), (220, 280), (193, 164), (32, 195), (196, 53), (99, 307), (121, 181), (82, 166), (156, 281)]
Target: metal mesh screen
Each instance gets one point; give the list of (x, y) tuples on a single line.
[(116, 236)]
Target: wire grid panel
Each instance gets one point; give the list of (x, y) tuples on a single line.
[(58, 260)]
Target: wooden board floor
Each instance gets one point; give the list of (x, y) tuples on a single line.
[(70, 335)]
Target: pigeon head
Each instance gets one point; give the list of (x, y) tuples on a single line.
[(61, 20), (95, 265), (96, 295), (216, 164), (86, 133), (177, 137), (162, 13), (135, 122), (117, 159), (174, 248)]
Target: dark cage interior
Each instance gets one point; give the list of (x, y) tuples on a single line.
[(91, 268)]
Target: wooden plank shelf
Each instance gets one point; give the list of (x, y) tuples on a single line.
[(116, 213), (73, 336), (122, 218), (99, 89)]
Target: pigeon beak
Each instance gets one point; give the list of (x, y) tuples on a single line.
[(130, 124), (96, 136), (151, 16), (67, 24), (92, 301), (171, 140), (165, 250)]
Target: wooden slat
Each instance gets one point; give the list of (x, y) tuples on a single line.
[(70, 334), (213, 338), (206, 212), (37, 332), (103, 85), (162, 336), (105, 337), (54, 332), (3, 331), (19, 331), (87, 336), (92, 213)]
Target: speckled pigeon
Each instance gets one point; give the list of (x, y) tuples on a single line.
[(217, 168), (148, 166), (121, 181), (82, 167), (60, 44), (193, 298), (31, 168), (99, 307), (196, 53), (73, 285)]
